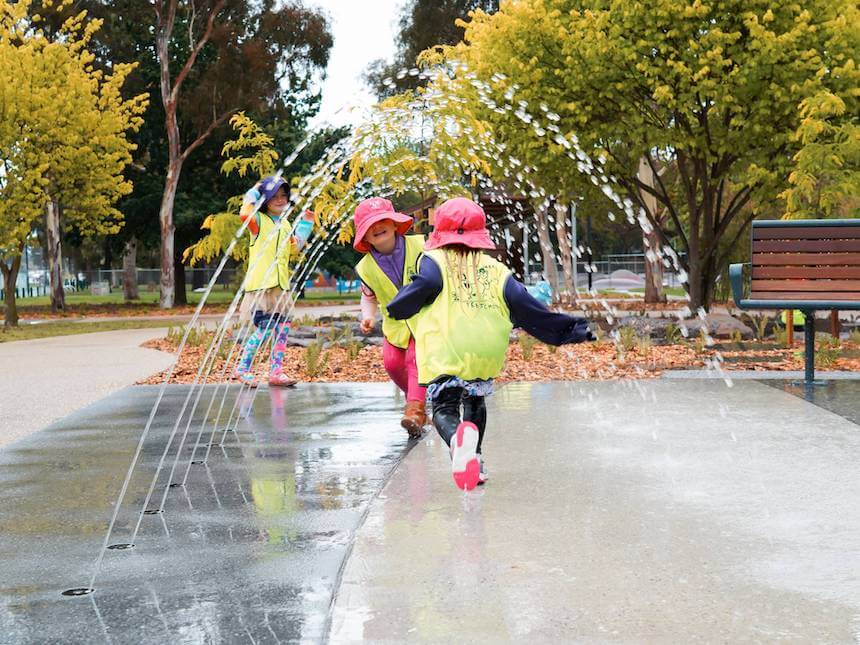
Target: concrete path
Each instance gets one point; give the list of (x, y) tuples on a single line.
[(662, 511), (46, 379)]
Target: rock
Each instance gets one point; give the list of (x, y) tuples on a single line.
[(718, 326), (643, 326), (309, 332), (299, 342)]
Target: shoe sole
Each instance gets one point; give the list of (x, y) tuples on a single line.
[(465, 467), (287, 384)]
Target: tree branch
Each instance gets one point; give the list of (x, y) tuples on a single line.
[(192, 58), (722, 258), (205, 134)]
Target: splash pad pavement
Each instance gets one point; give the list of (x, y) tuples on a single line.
[(615, 511)]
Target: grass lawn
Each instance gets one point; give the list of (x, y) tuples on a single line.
[(218, 296), (66, 328), (669, 291), (330, 296)]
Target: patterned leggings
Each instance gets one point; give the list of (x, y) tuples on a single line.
[(264, 327)]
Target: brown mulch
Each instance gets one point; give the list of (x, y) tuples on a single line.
[(590, 361), (594, 361)]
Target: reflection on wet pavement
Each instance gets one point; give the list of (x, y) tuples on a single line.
[(841, 397), (247, 551)]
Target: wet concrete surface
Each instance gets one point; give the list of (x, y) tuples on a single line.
[(652, 511), (841, 397), (249, 551)]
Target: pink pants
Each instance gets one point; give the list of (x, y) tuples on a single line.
[(401, 367)]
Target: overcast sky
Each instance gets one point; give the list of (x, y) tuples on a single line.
[(363, 31)]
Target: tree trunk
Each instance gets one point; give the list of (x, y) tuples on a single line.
[(129, 270), (696, 285), (165, 218), (565, 245), (651, 240), (10, 277), (550, 269), (55, 254), (179, 273)]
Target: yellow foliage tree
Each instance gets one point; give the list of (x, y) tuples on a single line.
[(63, 137)]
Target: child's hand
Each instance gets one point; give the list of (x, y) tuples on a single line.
[(310, 216), (367, 325)]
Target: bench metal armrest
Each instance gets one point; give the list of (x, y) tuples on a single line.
[(736, 276)]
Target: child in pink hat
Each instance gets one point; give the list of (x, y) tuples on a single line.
[(461, 306), (390, 259)]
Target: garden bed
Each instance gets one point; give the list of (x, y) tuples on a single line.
[(333, 358)]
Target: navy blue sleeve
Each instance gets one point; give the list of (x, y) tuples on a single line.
[(426, 285), (550, 327)]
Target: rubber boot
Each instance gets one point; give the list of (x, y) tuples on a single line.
[(414, 418)]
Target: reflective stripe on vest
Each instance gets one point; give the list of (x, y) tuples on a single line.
[(396, 332), (265, 247), (465, 331)]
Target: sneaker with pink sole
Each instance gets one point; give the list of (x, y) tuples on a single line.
[(465, 463), (279, 379)]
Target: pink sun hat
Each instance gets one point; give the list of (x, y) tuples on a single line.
[(459, 221), (374, 210)]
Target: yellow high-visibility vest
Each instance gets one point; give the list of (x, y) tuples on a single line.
[(396, 332), (466, 330), (267, 249)]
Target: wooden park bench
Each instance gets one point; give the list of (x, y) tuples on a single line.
[(810, 265)]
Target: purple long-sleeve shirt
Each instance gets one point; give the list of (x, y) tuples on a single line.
[(526, 312)]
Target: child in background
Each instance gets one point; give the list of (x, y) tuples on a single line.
[(390, 259), (267, 301), (461, 307)]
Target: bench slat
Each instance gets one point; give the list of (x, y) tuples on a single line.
[(845, 296), (806, 246), (814, 273), (806, 233), (806, 285), (799, 259)]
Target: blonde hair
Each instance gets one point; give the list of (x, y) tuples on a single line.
[(459, 260)]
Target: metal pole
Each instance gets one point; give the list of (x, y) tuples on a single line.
[(588, 249), (26, 269), (526, 268), (572, 211), (809, 349)]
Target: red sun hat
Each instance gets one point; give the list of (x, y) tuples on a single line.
[(459, 221), (371, 211)]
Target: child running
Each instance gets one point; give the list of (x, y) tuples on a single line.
[(391, 257), (267, 301), (461, 307)]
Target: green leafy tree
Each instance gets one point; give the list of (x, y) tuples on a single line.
[(710, 96)]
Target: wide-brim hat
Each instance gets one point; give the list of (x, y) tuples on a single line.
[(459, 221), (371, 211)]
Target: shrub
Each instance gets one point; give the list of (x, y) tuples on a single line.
[(527, 344), (315, 360), (673, 334)]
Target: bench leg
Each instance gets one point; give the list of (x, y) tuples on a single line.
[(809, 348)]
